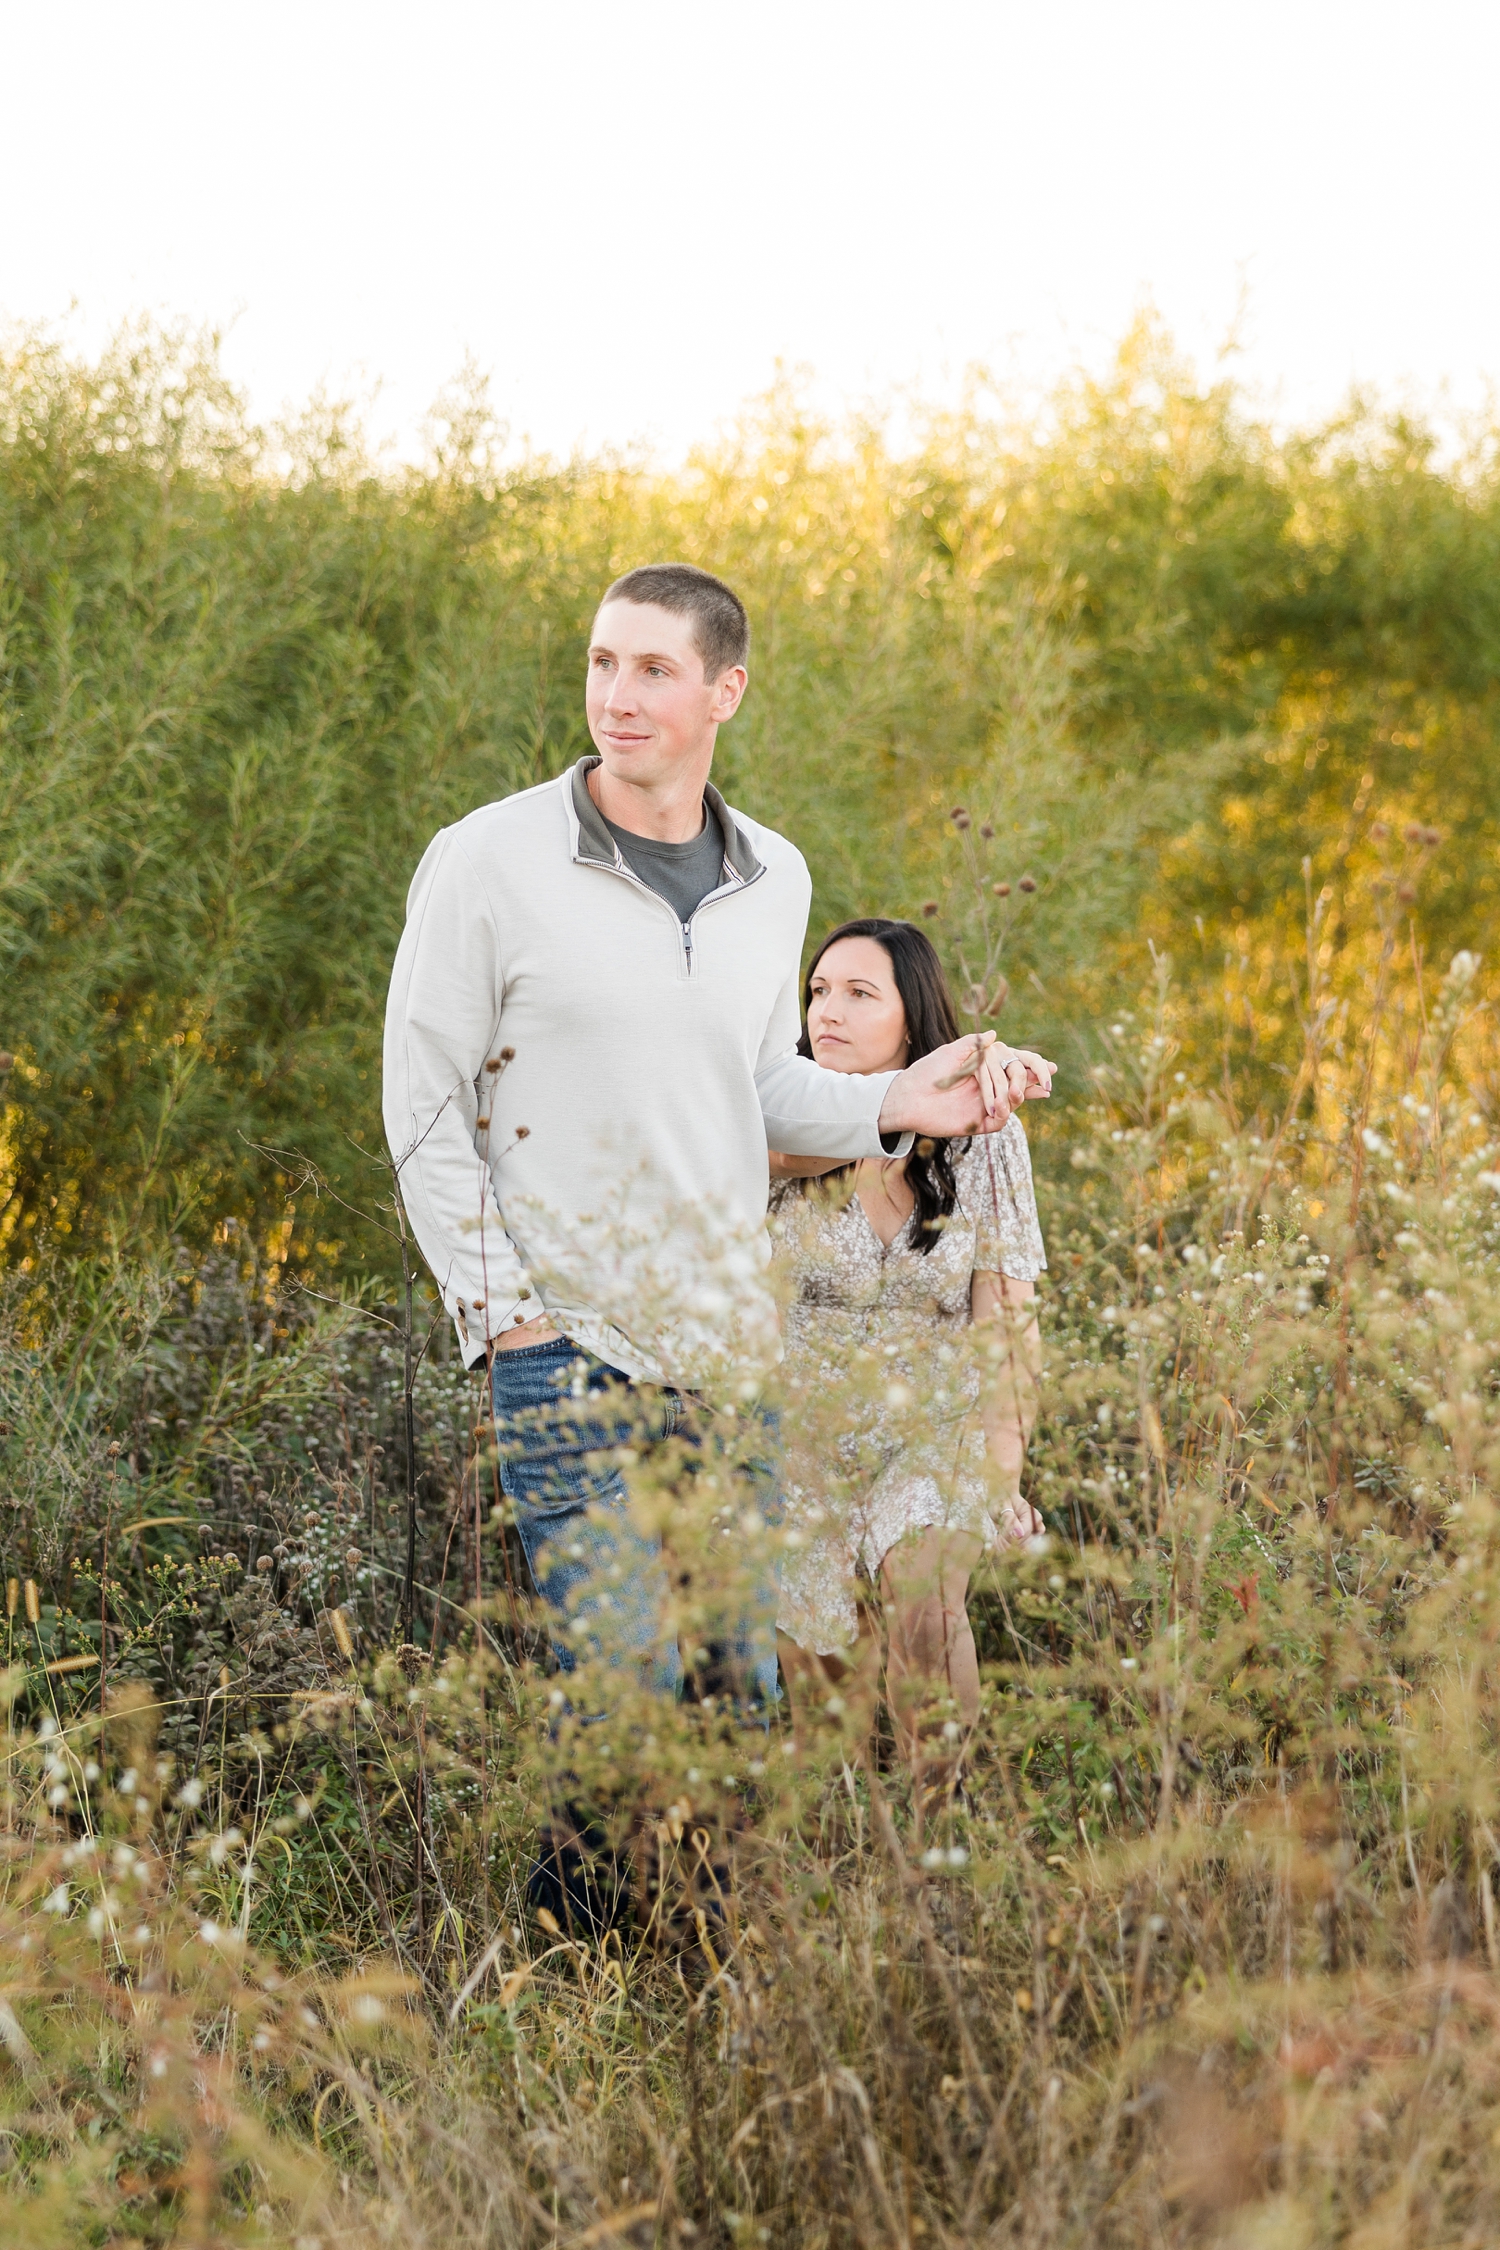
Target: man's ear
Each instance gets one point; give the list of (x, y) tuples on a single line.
[(730, 692)]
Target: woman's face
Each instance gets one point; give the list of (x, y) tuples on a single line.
[(855, 1020)]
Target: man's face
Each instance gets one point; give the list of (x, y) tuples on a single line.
[(650, 709)]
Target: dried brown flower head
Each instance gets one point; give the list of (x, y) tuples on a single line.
[(1002, 890), (1027, 883), (960, 817), (929, 908)]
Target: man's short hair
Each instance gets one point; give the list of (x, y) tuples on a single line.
[(721, 630)]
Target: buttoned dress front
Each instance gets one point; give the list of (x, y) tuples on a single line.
[(883, 1376)]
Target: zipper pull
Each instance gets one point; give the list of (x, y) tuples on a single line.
[(687, 944)]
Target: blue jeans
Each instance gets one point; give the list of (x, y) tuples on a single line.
[(561, 1419)]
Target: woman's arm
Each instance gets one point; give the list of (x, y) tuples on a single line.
[(785, 1167), (1010, 1405)]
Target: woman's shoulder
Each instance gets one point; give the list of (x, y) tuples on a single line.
[(976, 1164), (795, 1205)]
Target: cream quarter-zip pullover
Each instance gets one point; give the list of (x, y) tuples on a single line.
[(611, 1171)]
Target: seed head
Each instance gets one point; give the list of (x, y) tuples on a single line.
[(33, 1603), (523, 1132), (265, 1564), (960, 817), (1432, 836), (1406, 892), (353, 1557), (925, 1147), (1414, 832), (1379, 831), (507, 1054), (7, 1062), (1002, 890), (986, 831), (12, 1596), (481, 1124), (341, 1633), (929, 908), (1027, 883)]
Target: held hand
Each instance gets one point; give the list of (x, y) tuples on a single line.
[(971, 1086), (1019, 1521)]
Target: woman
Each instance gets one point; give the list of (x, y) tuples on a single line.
[(911, 1366)]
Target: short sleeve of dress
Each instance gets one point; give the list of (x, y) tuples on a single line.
[(997, 1196)]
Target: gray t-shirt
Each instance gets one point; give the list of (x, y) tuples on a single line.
[(682, 874)]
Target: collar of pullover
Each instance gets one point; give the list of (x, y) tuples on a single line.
[(596, 843)]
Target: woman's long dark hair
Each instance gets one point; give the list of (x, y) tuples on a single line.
[(930, 1022)]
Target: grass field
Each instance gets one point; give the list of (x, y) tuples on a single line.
[(1208, 1952)]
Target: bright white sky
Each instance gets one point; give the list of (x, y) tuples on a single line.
[(629, 212)]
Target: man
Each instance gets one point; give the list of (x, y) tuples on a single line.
[(589, 1048)]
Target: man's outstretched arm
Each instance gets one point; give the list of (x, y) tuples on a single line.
[(971, 1086)]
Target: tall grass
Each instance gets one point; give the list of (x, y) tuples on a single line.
[(244, 675), (1207, 1953), (1208, 1949)]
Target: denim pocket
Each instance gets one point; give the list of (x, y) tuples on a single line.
[(560, 1418)]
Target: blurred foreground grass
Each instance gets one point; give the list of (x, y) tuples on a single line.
[(1208, 1952)]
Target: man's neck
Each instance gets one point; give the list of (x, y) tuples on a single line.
[(668, 812)]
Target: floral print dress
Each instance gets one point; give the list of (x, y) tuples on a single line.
[(883, 1376)]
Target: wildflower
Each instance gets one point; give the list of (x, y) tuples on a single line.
[(1027, 883), (1001, 890), (987, 832), (929, 908), (960, 817)]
